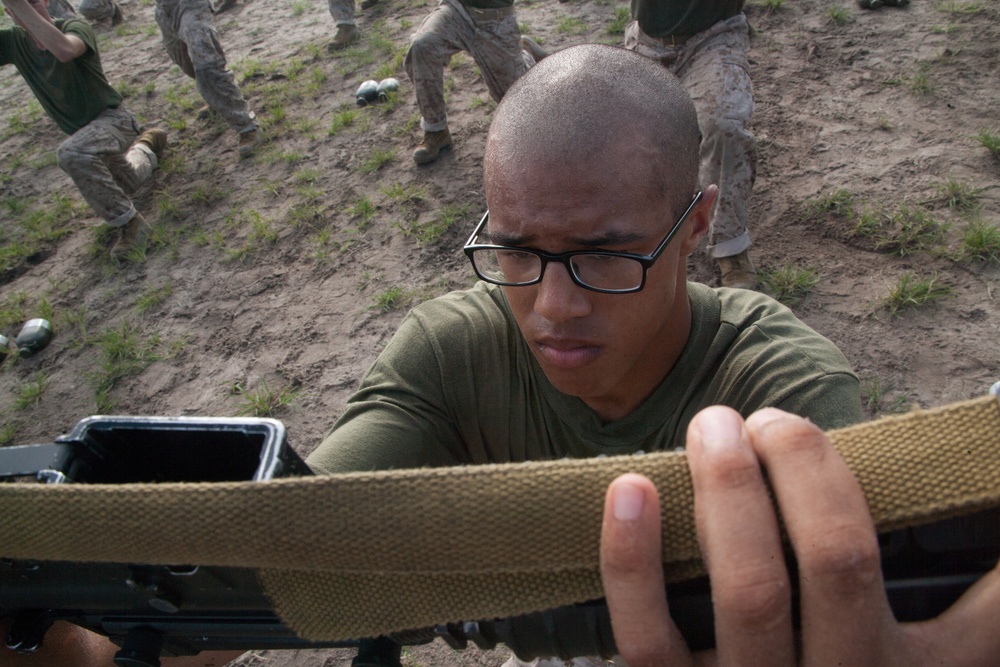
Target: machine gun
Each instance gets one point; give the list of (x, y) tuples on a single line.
[(156, 610)]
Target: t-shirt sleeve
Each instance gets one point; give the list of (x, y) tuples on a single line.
[(82, 30), (830, 401)]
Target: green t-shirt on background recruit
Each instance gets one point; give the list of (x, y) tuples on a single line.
[(73, 93), (458, 385)]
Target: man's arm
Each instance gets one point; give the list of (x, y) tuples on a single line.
[(46, 35), (68, 644), (846, 618)]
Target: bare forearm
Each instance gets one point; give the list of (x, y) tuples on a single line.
[(68, 644), (64, 47)]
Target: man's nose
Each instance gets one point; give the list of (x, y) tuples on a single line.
[(558, 298)]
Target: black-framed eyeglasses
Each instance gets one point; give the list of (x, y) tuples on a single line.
[(598, 270)]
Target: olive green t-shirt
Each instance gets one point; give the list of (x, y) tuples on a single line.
[(457, 384), (72, 93), (662, 18)]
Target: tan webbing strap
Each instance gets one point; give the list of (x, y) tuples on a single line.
[(368, 554)]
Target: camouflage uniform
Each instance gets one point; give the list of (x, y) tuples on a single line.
[(61, 9), (97, 10), (342, 11), (106, 165), (713, 67), (192, 43), (494, 44)]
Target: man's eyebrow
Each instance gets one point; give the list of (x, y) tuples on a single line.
[(609, 238)]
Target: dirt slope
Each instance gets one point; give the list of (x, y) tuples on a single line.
[(288, 272)]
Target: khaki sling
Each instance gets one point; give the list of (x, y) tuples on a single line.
[(368, 554)]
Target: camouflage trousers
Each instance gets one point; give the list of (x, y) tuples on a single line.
[(192, 42), (61, 9), (713, 67), (97, 10), (495, 45), (342, 11), (106, 164)]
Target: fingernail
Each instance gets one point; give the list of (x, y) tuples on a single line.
[(719, 429), (627, 501)]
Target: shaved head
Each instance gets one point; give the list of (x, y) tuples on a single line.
[(596, 104)]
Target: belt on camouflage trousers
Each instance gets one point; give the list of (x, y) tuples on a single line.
[(490, 14)]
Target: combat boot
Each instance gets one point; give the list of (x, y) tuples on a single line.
[(347, 34), (870, 4), (433, 145), (131, 235), (156, 140), (737, 271), (249, 141)]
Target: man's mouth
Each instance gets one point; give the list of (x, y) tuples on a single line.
[(565, 353)]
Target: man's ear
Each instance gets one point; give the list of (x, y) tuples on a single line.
[(696, 225)]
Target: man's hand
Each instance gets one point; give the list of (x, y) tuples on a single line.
[(846, 619), (33, 16)]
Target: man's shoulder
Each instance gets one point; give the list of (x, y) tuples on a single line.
[(483, 304), (80, 28), (754, 322)]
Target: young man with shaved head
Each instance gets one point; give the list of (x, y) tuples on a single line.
[(585, 338)]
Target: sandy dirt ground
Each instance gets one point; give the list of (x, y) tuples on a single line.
[(282, 276)]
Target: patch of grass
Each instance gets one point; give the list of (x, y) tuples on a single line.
[(875, 393), (480, 101), (404, 193), (299, 7), (919, 83), (262, 400), (30, 393), (209, 194), (770, 5), (571, 25), (307, 175), (122, 351), (990, 140), (946, 29), (839, 202), (431, 231), (341, 120), (618, 23), (957, 194), (310, 192), (304, 214), (391, 297), (376, 160), (911, 229), (839, 14), (912, 291), (152, 297), (168, 206), (261, 232), (363, 208), (981, 241), (908, 230), (955, 7), (12, 311), (7, 433), (789, 283)]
